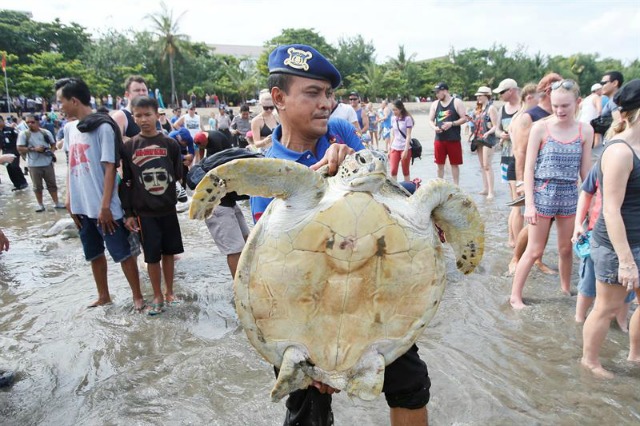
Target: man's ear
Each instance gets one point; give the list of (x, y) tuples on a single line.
[(278, 96)]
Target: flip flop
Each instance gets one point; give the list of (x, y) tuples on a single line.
[(155, 309), (142, 308), (174, 302)]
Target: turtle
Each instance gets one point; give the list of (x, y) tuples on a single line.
[(342, 273)]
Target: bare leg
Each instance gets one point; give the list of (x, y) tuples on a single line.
[(621, 317), (583, 303), (634, 335), (54, 196), (440, 171), (455, 173), (481, 160), (518, 250), (537, 237), (407, 417), (232, 261), (99, 270), (130, 269), (609, 300), (155, 273), (38, 197), (168, 269), (564, 228), (487, 155)]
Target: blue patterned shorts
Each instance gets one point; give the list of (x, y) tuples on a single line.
[(553, 198)]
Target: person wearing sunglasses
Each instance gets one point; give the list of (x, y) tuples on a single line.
[(558, 153), (263, 124), (615, 248)]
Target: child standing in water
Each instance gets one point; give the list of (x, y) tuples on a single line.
[(558, 152)]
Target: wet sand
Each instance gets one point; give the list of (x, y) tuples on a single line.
[(194, 365)]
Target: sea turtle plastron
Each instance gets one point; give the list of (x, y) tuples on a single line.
[(341, 274)]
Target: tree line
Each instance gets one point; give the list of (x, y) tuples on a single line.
[(38, 53)]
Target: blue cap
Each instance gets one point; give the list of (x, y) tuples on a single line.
[(184, 134), (303, 61)]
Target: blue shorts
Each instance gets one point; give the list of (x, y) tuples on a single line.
[(605, 264), (587, 283), (93, 240), (553, 198)]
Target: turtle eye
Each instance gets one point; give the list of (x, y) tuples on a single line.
[(360, 159)]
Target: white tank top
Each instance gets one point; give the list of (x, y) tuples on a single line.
[(192, 124), (587, 111)]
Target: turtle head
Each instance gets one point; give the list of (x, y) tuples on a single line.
[(364, 170)]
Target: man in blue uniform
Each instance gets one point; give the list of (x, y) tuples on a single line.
[(301, 82)]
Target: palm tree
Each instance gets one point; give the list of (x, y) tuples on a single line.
[(170, 42)]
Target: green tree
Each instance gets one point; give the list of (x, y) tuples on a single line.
[(170, 41), (352, 57)]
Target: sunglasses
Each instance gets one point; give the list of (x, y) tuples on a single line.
[(353, 99), (504, 91), (30, 122), (604, 82), (565, 84), (268, 108)]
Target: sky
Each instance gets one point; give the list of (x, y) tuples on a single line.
[(426, 28)]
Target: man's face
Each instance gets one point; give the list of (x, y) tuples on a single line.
[(608, 88), (440, 94), (155, 180), (146, 118), (136, 89), (66, 105), (307, 106), (33, 124), (245, 115), (354, 101)]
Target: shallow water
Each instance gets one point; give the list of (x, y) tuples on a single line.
[(194, 365)]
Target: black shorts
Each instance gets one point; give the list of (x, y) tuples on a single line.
[(511, 167), (406, 385), (160, 235)]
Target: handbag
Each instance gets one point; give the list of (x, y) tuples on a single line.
[(416, 146), (601, 124)]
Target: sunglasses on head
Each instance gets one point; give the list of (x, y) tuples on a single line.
[(565, 84), (268, 108)]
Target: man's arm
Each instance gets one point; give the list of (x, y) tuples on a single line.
[(121, 120), (432, 117), (179, 123), (523, 128)]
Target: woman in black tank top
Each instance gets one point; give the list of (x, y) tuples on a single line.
[(264, 123), (615, 246)]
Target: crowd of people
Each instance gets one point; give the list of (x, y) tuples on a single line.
[(127, 170)]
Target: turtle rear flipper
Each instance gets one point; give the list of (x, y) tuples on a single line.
[(264, 177), (291, 376), (457, 215)]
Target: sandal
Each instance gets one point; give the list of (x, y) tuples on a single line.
[(155, 309)]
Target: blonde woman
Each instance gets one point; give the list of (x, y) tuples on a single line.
[(264, 123), (486, 124), (558, 153), (615, 247)]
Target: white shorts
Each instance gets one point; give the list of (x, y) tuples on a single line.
[(228, 228)]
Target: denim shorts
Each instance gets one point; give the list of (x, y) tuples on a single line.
[(605, 261), (94, 240), (587, 283)]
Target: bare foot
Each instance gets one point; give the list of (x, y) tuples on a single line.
[(99, 302), (623, 326), (483, 192), (511, 243), (490, 196), (139, 305), (635, 359), (580, 320), (597, 370), (512, 266), (517, 304), (545, 269)]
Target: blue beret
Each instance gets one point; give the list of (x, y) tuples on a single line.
[(303, 61)]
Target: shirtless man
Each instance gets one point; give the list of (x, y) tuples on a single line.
[(134, 86)]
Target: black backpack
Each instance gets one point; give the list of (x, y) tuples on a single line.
[(416, 146), (197, 172)]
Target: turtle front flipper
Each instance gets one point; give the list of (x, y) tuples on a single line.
[(291, 376), (455, 213), (265, 177)]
